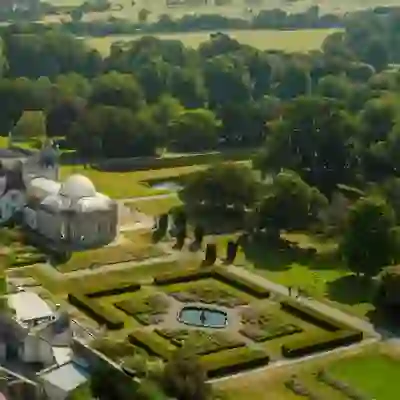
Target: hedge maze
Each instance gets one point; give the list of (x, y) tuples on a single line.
[(262, 329)]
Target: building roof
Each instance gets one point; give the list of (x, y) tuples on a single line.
[(45, 186), (11, 153), (78, 186), (67, 377), (29, 306)]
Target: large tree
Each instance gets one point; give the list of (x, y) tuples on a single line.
[(316, 138), (289, 204), (368, 241), (221, 187), (184, 378)]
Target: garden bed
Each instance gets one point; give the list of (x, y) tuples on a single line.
[(200, 342), (208, 291), (148, 310), (260, 325)]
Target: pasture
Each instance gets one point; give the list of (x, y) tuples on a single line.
[(290, 41)]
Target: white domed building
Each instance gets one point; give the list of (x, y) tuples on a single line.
[(71, 214)]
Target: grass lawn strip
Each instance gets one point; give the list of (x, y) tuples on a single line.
[(199, 341), (147, 310)]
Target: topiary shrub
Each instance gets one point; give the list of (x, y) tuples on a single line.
[(211, 254), (231, 251)]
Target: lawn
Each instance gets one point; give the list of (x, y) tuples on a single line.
[(290, 41), (372, 370), (155, 207), (373, 374), (121, 185), (137, 246), (322, 276)]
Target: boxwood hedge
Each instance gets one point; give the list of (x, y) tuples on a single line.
[(233, 361), (312, 315), (183, 276), (127, 288), (152, 343), (101, 313), (324, 342)]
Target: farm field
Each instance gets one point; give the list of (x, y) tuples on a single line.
[(290, 41)]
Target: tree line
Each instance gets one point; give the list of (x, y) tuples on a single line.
[(150, 94)]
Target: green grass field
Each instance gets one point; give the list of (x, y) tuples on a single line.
[(119, 185), (290, 41), (372, 371)]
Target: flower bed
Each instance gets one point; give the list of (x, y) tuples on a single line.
[(209, 291), (261, 326), (201, 342), (148, 310)]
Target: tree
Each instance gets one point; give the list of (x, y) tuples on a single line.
[(289, 204), (32, 124), (390, 286), (143, 15), (231, 251), (316, 138), (115, 89), (221, 187), (184, 378), (194, 130), (198, 234), (368, 241), (211, 254)]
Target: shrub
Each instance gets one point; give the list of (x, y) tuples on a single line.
[(198, 234), (233, 361), (211, 254), (323, 342), (152, 343), (128, 288), (182, 276), (299, 389), (101, 313), (261, 326), (200, 342), (240, 283), (231, 251), (148, 310), (312, 315)]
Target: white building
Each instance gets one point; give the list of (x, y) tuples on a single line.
[(69, 214)]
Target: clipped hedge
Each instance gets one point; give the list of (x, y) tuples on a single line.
[(183, 276), (127, 288), (152, 343), (232, 361), (240, 283), (99, 312), (325, 342), (313, 316), (143, 163)]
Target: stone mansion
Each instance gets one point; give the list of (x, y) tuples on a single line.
[(70, 214)]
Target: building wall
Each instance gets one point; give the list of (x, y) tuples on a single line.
[(49, 224), (37, 350), (11, 202), (54, 392)]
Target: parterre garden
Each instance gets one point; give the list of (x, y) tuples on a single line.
[(262, 328)]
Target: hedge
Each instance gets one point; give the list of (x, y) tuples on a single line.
[(127, 288), (325, 342), (99, 312), (153, 344), (240, 283), (183, 276), (312, 315), (233, 361), (143, 163)]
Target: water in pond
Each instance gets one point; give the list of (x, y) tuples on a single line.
[(167, 185), (199, 316)]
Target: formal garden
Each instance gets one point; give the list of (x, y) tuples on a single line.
[(261, 327)]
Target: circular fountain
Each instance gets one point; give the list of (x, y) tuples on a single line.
[(205, 317)]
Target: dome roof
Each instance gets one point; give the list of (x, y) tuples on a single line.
[(77, 186)]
